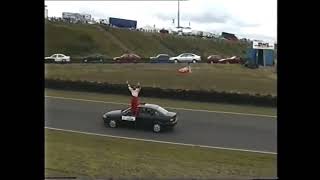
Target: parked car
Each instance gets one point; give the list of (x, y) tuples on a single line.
[(149, 116), (97, 58), (160, 58), (58, 58), (231, 60), (186, 58), (214, 59), (127, 58)]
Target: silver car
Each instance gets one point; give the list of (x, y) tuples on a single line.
[(186, 58), (59, 58)]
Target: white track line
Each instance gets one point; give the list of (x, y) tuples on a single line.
[(200, 110), (164, 142)]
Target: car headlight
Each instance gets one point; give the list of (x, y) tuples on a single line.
[(104, 116)]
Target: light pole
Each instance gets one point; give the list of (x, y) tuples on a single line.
[(178, 13)]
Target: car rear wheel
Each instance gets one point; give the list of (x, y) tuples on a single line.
[(194, 61), (176, 61), (156, 127), (112, 124)]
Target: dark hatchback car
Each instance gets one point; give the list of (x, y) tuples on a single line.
[(214, 59), (127, 58), (160, 58), (231, 60), (95, 59), (149, 116)]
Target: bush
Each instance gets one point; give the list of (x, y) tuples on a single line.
[(181, 94)]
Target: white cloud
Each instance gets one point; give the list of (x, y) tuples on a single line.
[(256, 18)]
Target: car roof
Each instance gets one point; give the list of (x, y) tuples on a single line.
[(153, 106), (188, 53)]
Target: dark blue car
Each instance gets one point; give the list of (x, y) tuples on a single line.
[(160, 58)]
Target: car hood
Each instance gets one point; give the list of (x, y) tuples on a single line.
[(171, 114), (113, 113)]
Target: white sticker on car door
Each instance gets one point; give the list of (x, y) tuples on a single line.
[(128, 118)]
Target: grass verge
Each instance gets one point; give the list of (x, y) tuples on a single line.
[(73, 154)]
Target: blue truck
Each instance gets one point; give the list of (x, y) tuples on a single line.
[(122, 23)]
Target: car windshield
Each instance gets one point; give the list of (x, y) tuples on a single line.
[(126, 110), (162, 110)]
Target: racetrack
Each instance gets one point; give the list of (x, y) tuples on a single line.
[(194, 127)]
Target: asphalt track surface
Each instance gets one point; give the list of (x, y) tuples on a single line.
[(194, 127)]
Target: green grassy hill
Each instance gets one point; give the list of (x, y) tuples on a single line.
[(85, 39)]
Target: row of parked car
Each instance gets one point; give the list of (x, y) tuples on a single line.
[(160, 58)]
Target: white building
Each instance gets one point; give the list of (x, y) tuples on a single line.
[(149, 28), (187, 31), (87, 17), (76, 17), (208, 34), (196, 32), (104, 21)]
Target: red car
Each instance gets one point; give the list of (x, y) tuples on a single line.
[(127, 58), (231, 60), (221, 60)]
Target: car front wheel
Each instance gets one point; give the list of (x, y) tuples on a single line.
[(194, 61), (176, 61), (156, 127), (112, 123)]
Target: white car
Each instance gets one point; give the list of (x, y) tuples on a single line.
[(186, 58), (59, 58)]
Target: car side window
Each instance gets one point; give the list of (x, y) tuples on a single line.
[(147, 111), (156, 113)]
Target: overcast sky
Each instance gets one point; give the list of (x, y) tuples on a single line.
[(254, 19)]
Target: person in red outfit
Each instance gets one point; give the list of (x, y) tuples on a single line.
[(135, 98)]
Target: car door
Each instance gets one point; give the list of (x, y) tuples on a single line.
[(53, 57), (127, 118), (183, 57), (59, 58), (190, 57), (145, 118), (162, 58)]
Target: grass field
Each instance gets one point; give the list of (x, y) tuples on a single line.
[(85, 39), (72, 154), (220, 77), (165, 102)]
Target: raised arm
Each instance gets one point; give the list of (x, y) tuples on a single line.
[(139, 87), (129, 87)]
